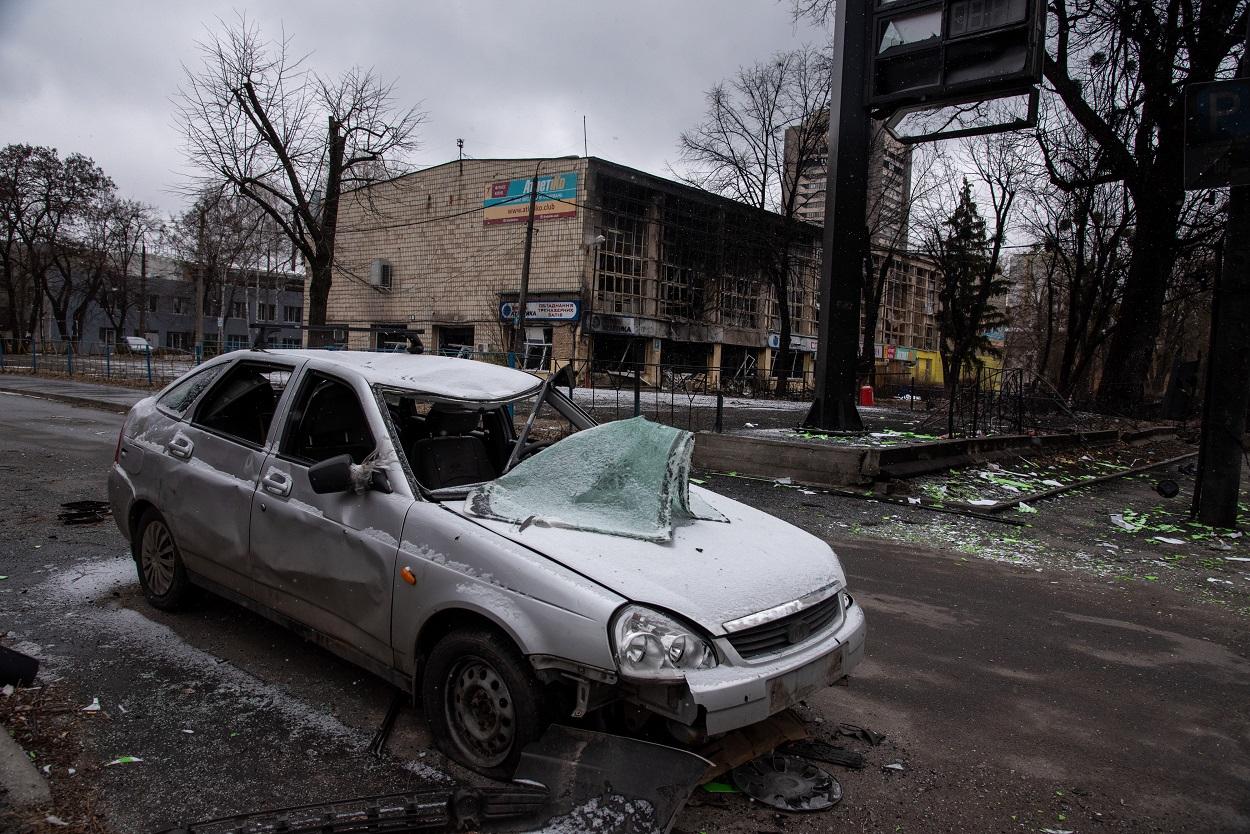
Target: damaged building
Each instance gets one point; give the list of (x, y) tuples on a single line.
[(627, 269)]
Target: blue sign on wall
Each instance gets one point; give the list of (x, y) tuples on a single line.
[(543, 310)]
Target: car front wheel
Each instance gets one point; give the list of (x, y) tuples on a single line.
[(482, 701), (161, 572)]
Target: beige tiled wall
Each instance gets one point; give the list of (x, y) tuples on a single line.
[(448, 267)]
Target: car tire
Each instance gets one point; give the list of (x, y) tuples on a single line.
[(482, 701), (162, 574)]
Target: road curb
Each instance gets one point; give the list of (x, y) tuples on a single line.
[(102, 405), (22, 784)]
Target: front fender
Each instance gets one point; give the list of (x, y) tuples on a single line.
[(457, 565)]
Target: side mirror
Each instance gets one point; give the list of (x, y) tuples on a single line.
[(335, 475), (331, 475)]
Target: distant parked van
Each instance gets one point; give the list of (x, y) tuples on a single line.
[(137, 344)]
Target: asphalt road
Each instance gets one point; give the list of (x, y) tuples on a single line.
[(1014, 700)]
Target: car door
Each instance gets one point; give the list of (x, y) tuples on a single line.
[(214, 464), (328, 561)]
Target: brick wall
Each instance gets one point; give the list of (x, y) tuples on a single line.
[(448, 266)]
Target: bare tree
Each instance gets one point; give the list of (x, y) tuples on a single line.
[(1120, 67), (289, 140), (215, 239), (1084, 228), (79, 253), (48, 206), (740, 150), (131, 222)]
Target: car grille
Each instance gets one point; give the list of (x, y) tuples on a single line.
[(788, 631)]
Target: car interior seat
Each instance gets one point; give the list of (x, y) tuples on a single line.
[(452, 454)]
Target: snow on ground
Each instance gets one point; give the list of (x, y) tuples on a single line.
[(83, 595)]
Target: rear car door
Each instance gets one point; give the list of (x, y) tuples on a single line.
[(214, 463), (328, 561)]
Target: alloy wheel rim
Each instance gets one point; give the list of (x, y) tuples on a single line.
[(156, 558), (480, 711)]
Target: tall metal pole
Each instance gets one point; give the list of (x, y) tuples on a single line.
[(1217, 489), (846, 226), (143, 289), (518, 334)]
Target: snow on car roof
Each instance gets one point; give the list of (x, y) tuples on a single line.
[(440, 376)]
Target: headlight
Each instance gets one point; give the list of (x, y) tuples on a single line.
[(654, 646)]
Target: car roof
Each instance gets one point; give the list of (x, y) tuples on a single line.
[(440, 376)]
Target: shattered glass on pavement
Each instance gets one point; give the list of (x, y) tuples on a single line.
[(626, 478)]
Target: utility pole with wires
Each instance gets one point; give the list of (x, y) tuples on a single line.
[(518, 333)]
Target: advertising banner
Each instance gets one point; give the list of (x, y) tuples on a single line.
[(508, 201)]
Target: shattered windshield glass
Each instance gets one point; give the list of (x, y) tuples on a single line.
[(626, 478)]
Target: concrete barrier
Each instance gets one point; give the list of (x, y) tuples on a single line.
[(825, 464)]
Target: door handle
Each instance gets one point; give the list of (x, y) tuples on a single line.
[(180, 447), (276, 483)]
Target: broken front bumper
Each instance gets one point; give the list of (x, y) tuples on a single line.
[(740, 695), (740, 692)]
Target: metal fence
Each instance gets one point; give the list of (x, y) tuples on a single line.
[(695, 398), (109, 363)]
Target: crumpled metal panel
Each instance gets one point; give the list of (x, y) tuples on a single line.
[(626, 478)]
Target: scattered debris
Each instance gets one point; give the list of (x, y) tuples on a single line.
[(94, 706), (788, 783), (861, 733), (461, 809), (823, 751), (1167, 540), (645, 784), (121, 760), (17, 668), (53, 819), (897, 766), (1119, 521), (1167, 488), (84, 512)]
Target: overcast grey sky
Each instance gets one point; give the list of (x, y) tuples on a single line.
[(512, 78)]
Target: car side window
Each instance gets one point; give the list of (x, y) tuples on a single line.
[(242, 403), (179, 398), (327, 420)]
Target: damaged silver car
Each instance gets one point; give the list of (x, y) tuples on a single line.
[(468, 533)]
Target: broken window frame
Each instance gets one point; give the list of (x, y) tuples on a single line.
[(207, 378), (297, 412), (544, 394), (262, 367)]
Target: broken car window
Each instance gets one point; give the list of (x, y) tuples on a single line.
[(326, 421), (627, 478), (242, 403), (179, 398)]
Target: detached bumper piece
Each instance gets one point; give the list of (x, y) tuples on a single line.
[(462, 809)]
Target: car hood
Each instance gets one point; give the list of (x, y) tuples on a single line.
[(711, 572)]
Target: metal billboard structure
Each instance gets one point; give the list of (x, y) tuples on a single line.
[(900, 57)]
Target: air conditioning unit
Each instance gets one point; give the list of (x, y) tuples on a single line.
[(380, 274)]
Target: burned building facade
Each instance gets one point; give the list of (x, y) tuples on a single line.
[(627, 269)]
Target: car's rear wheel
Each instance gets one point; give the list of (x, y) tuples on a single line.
[(482, 701), (162, 575)]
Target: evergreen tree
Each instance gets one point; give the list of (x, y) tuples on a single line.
[(970, 280)]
